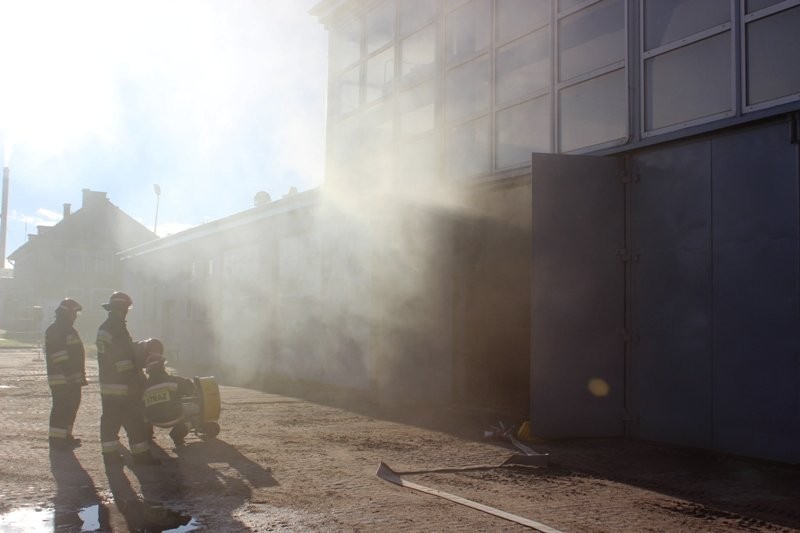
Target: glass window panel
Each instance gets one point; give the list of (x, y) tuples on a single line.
[(755, 5), (467, 89), (418, 162), (376, 137), (564, 5), (346, 45), (522, 129), (348, 90), (523, 66), (414, 14), (450, 4), (105, 262), (594, 111), (771, 41), (591, 38), (468, 30), (419, 55), (380, 74), (380, 26), (518, 17), (377, 126), (74, 260), (417, 109), (467, 151), (688, 83), (666, 22)]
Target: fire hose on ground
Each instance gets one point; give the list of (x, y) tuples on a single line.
[(528, 458)]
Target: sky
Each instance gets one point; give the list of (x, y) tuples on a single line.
[(211, 100)]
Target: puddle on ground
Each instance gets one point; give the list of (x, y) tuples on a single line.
[(8, 387), (136, 515)]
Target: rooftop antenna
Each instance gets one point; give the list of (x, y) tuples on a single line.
[(157, 190)]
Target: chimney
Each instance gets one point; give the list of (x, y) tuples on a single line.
[(67, 210)]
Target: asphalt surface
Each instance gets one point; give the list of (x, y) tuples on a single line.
[(296, 457)]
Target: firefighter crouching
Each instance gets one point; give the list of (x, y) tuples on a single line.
[(66, 374), (142, 350), (119, 387), (163, 396)]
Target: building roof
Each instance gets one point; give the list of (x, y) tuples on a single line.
[(261, 212), (94, 203)]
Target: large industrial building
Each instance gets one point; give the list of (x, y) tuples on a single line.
[(579, 213)]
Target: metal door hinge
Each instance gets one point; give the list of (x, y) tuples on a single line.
[(628, 336), (629, 177), (626, 256), (630, 418)]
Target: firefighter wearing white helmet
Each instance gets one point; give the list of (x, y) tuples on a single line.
[(119, 386), (66, 374)]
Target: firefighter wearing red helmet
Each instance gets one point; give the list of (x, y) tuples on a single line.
[(119, 386), (66, 374)]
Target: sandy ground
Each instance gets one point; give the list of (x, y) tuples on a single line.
[(302, 459)]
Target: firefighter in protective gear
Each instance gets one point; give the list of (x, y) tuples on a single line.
[(66, 374), (163, 396), (119, 385), (142, 349)]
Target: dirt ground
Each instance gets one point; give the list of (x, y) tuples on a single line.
[(295, 458)]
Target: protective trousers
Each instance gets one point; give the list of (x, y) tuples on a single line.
[(122, 411), (66, 400)]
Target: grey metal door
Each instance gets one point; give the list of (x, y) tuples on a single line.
[(715, 293), (577, 350), (757, 292), (670, 293)]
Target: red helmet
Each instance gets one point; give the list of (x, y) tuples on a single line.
[(118, 300), (68, 305)]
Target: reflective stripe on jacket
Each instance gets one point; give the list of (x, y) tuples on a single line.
[(115, 358), (64, 354)]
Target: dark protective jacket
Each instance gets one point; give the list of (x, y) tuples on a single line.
[(115, 359), (64, 354), (162, 398)]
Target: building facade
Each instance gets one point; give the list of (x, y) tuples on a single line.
[(582, 213), (75, 258), (657, 235)]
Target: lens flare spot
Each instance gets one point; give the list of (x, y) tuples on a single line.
[(598, 387)]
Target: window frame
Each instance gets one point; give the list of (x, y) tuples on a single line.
[(686, 41), (744, 20)]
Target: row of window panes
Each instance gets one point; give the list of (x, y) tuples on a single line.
[(522, 67), (99, 262), (683, 83), (466, 28), (585, 39), (694, 82), (201, 269)]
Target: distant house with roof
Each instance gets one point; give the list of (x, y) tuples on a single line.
[(75, 258)]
